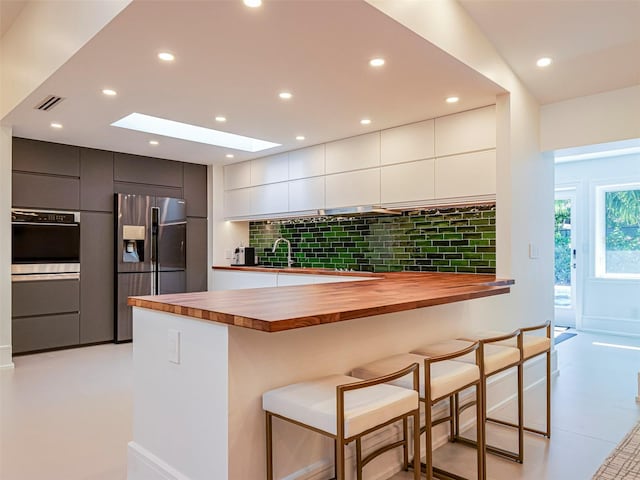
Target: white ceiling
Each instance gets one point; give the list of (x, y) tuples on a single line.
[(9, 11), (233, 61), (595, 44)]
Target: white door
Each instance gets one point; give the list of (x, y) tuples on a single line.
[(566, 260)]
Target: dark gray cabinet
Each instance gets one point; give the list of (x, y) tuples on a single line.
[(147, 170), (30, 334), (45, 157), (45, 192), (44, 297), (141, 189), (195, 189), (96, 277), (196, 254), (96, 180)]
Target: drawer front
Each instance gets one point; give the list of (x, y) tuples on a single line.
[(45, 297), (44, 332)]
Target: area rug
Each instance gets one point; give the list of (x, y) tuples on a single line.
[(624, 461), (563, 336)]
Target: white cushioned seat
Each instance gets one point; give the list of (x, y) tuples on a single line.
[(446, 376), (313, 403), (496, 357), (532, 345)]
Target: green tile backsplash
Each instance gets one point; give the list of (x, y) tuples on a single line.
[(459, 239)]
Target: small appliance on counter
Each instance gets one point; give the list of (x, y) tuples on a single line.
[(244, 256)]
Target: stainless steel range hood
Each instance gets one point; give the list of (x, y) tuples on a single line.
[(359, 210)]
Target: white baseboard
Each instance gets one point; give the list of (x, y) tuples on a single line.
[(6, 360), (144, 465), (611, 325)]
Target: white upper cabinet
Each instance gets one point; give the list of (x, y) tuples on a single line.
[(353, 188), (407, 143), (353, 153), (272, 169), (237, 203), (466, 131), (237, 175), (407, 182), (306, 162), (271, 198), (465, 175), (306, 194)]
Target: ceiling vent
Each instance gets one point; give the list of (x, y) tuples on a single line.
[(48, 103)]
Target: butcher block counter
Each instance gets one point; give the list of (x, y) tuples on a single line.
[(202, 361), (274, 310)]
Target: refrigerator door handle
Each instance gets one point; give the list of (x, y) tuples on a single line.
[(155, 280)]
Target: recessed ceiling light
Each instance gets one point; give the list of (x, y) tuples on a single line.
[(300, 137), (544, 62), (153, 142), (229, 155), (252, 3), (376, 62), (365, 121), (452, 99), (109, 92), (221, 119), (56, 125), (166, 56), (192, 133), (285, 95)]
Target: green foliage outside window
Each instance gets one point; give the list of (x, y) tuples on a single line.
[(563, 242), (623, 220)]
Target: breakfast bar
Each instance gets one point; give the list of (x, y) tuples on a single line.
[(202, 361)]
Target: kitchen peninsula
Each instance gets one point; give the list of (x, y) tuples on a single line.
[(202, 361)]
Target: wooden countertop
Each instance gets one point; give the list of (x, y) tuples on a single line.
[(285, 308)]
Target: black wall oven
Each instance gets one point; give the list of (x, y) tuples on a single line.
[(45, 245)]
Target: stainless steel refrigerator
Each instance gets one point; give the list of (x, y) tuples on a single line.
[(151, 238)]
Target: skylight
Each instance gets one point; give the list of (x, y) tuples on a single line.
[(192, 133)]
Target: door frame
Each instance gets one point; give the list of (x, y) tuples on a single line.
[(571, 316)]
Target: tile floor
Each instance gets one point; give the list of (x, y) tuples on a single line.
[(67, 415)]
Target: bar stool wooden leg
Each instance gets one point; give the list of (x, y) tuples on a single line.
[(549, 394), (520, 458), (358, 459), (480, 434), (269, 421)]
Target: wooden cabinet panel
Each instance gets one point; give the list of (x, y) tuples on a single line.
[(306, 194), (407, 182), (31, 334), (45, 157), (195, 189), (44, 191), (147, 170), (272, 169), (237, 175), (353, 153), (96, 277), (272, 198), (197, 265), (466, 175), (353, 188), (466, 131), (407, 143), (306, 162), (237, 203), (44, 297), (96, 180)]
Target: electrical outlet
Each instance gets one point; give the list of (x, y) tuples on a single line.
[(227, 254), (534, 252), (173, 346)]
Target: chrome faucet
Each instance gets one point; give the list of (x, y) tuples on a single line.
[(282, 239)]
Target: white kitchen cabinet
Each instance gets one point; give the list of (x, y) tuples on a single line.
[(466, 131), (237, 203), (306, 162), (271, 169), (353, 153), (271, 198), (407, 182), (237, 280), (465, 175), (306, 194), (353, 188), (407, 143), (237, 175), (291, 279)]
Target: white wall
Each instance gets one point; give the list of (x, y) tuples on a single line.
[(601, 118), (5, 248), (602, 304)]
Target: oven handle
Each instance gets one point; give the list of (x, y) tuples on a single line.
[(45, 276), (73, 224)]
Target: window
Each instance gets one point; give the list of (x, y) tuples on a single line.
[(618, 231)]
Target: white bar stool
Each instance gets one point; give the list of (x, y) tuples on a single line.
[(346, 409), (533, 345), (496, 358), (442, 379)]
